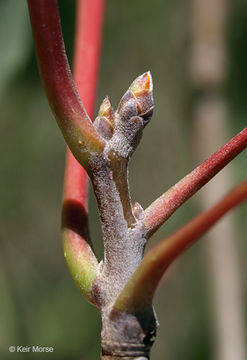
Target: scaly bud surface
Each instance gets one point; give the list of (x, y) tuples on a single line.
[(104, 123), (134, 112), (138, 100), (142, 89), (142, 83), (106, 110)]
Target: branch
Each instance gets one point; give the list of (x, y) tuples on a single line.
[(120, 221), (161, 209), (77, 246), (139, 291), (71, 116)]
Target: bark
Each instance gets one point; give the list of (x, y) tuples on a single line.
[(124, 334)]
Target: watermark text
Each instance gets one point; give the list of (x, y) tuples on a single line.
[(33, 349)]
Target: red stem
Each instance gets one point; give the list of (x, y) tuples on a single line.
[(161, 209), (89, 22), (139, 291), (88, 41), (56, 76)]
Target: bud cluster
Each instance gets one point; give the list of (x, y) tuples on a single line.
[(124, 127)]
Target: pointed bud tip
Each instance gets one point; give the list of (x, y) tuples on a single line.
[(138, 99), (106, 109), (142, 84)]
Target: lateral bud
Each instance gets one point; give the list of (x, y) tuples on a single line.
[(138, 100), (104, 122), (138, 211)]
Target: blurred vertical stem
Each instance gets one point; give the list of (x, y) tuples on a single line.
[(89, 22), (208, 72)]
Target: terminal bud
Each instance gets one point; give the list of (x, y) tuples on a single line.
[(138, 100)]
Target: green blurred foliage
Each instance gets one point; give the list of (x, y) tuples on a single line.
[(39, 303)]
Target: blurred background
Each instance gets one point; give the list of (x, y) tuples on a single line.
[(197, 54)]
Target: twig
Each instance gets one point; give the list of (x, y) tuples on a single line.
[(55, 73), (161, 209), (75, 197), (139, 291)]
